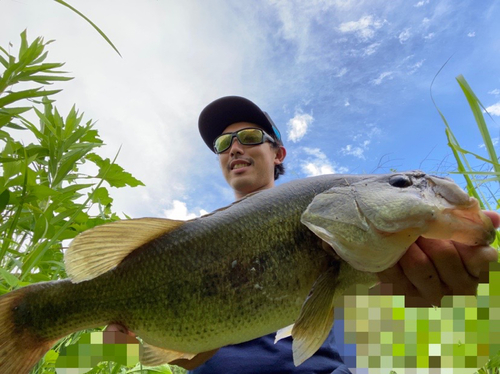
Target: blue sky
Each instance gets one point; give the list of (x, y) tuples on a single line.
[(347, 83)]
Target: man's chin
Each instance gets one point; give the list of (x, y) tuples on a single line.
[(241, 184)]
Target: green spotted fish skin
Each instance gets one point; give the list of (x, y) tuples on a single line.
[(237, 274), (234, 275)]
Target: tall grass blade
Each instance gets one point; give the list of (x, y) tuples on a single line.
[(460, 166), (454, 146), (89, 21), (475, 106)]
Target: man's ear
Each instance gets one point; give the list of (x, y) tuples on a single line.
[(280, 155)]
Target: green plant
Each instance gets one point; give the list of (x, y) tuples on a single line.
[(63, 3), (45, 196), (481, 181)]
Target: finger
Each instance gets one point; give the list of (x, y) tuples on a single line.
[(119, 328), (447, 261), (423, 275), (118, 334), (476, 259), (116, 327), (494, 216), (401, 285)]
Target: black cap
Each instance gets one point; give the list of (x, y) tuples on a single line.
[(227, 110)]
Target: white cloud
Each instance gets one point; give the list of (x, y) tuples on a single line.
[(496, 91), (371, 49), (421, 3), (413, 68), (364, 28), (429, 36), (494, 109), (341, 72), (180, 211), (404, 36), (312, 169), (374, 131), (298, 20), (355, 151), (494, 141), (317, 163), (347, 103), (298, 125), (382, 76), (471, 34), (362, 140), (408, 58)]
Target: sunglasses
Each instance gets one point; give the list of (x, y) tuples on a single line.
[(249, 136)]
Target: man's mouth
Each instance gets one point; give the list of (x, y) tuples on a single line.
[(238, 164)]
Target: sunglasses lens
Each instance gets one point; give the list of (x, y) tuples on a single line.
[(250, 136), (222, 143)]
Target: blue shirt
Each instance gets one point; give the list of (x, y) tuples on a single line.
[(262, 356)]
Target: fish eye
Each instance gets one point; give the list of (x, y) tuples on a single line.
[(400, 181)]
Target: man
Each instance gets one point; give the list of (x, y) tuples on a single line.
[(252, 162), (251, 154)]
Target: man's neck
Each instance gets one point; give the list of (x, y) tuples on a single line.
[(238, 195)]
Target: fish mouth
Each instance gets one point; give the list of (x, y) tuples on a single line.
[(239, 164), (447, 191)]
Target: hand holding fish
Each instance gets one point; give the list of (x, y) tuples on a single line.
[(433, 268)]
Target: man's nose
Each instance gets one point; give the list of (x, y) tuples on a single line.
[(236, 147)]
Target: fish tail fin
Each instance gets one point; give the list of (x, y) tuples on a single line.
[(20, 350)]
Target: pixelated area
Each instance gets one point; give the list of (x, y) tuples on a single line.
[(382, 334), (95, 347)]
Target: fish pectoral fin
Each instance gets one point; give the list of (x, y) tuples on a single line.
[(283, 333), (316, 317), (151, 355), (196, 361), (100, 249)]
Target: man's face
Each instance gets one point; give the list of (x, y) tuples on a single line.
[(249, 168)]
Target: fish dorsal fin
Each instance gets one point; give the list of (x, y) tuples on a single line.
[(316, 317), (151, 355), (283, 333), (101, 248)]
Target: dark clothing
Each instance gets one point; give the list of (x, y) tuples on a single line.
[(262, 356)]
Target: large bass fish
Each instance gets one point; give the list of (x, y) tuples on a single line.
[(244, 271)]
